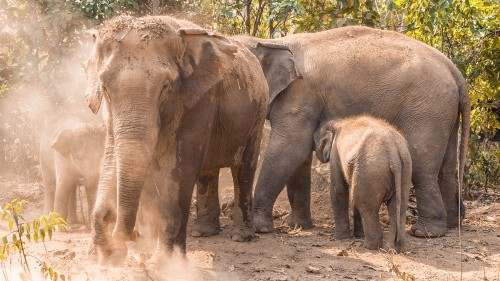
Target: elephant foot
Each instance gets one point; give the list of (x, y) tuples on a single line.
[(357, 228), (92, 253), (358, 231), (171, 265), (75, 227), (452, 218), (122, 236), (113, 256), (205, 229), (242, 234), (452, 222), (263, 223), (342, 230), (294, 220), (420, 229), (340, 235), (373, 245), (163, 258)]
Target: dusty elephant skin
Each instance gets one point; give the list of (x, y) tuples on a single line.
[(69, 152), (179, 103), (388, 75), (371, 157)]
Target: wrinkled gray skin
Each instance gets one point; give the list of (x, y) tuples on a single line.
[(372, 158), (70, 152), (179, 103), (359, 70)]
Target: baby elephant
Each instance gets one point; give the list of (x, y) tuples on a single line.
[(69, 153), (372, 157)]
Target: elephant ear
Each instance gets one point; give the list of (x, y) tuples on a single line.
[(61, 142), (204, 63), (93, 93), (323, 140), (279, 66)]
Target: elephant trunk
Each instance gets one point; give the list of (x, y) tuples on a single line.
[(134, 146)]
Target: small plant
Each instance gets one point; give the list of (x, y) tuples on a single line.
[(21, 232), (394, 268)]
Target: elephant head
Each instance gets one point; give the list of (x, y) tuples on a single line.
[(277, 62), (323, 141), (146, 72), (83, 145)]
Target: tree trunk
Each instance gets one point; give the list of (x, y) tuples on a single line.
[(248, 15), (155, 7)]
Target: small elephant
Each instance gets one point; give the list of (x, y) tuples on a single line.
[(373, 158), (68, 153)]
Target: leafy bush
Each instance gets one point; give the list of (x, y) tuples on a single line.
[(22, 232)]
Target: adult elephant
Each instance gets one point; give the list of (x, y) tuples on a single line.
[(360, 70), (179, 103)]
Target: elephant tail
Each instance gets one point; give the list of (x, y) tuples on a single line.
[(402, 172), (399, 237), (465, 111)]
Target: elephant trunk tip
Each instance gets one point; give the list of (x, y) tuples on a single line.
[(121, 234)]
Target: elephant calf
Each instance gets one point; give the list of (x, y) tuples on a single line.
[(68, 153), (373, 158)]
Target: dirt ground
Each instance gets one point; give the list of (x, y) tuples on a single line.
[(289, 254)]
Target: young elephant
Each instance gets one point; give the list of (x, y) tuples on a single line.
[(372, 157), (68, 153)]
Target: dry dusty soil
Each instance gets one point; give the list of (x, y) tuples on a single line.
[(289, 254)]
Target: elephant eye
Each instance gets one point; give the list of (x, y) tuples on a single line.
[(167, 87), (105, 92)]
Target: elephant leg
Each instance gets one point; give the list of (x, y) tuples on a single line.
[(372, 227), (49, 195), (285, 153), (299, 195), (357, 223), (175, 213), (339, 194), (448, 181), (72, 205), (182, 166), (108, 252), (66, 195), (243, 176), (91, 191), (393, 230), (368, 192), (175, 202), (431, 212), (207, 205)]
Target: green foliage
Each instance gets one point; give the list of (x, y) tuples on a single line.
[(99, 10), (268, 19), (325, 14), (23, 231), (272, 19)]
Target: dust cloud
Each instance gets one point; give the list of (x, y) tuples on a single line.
[(43, 95)]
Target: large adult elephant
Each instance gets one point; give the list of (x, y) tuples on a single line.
[(179, 103), (360, 70)]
